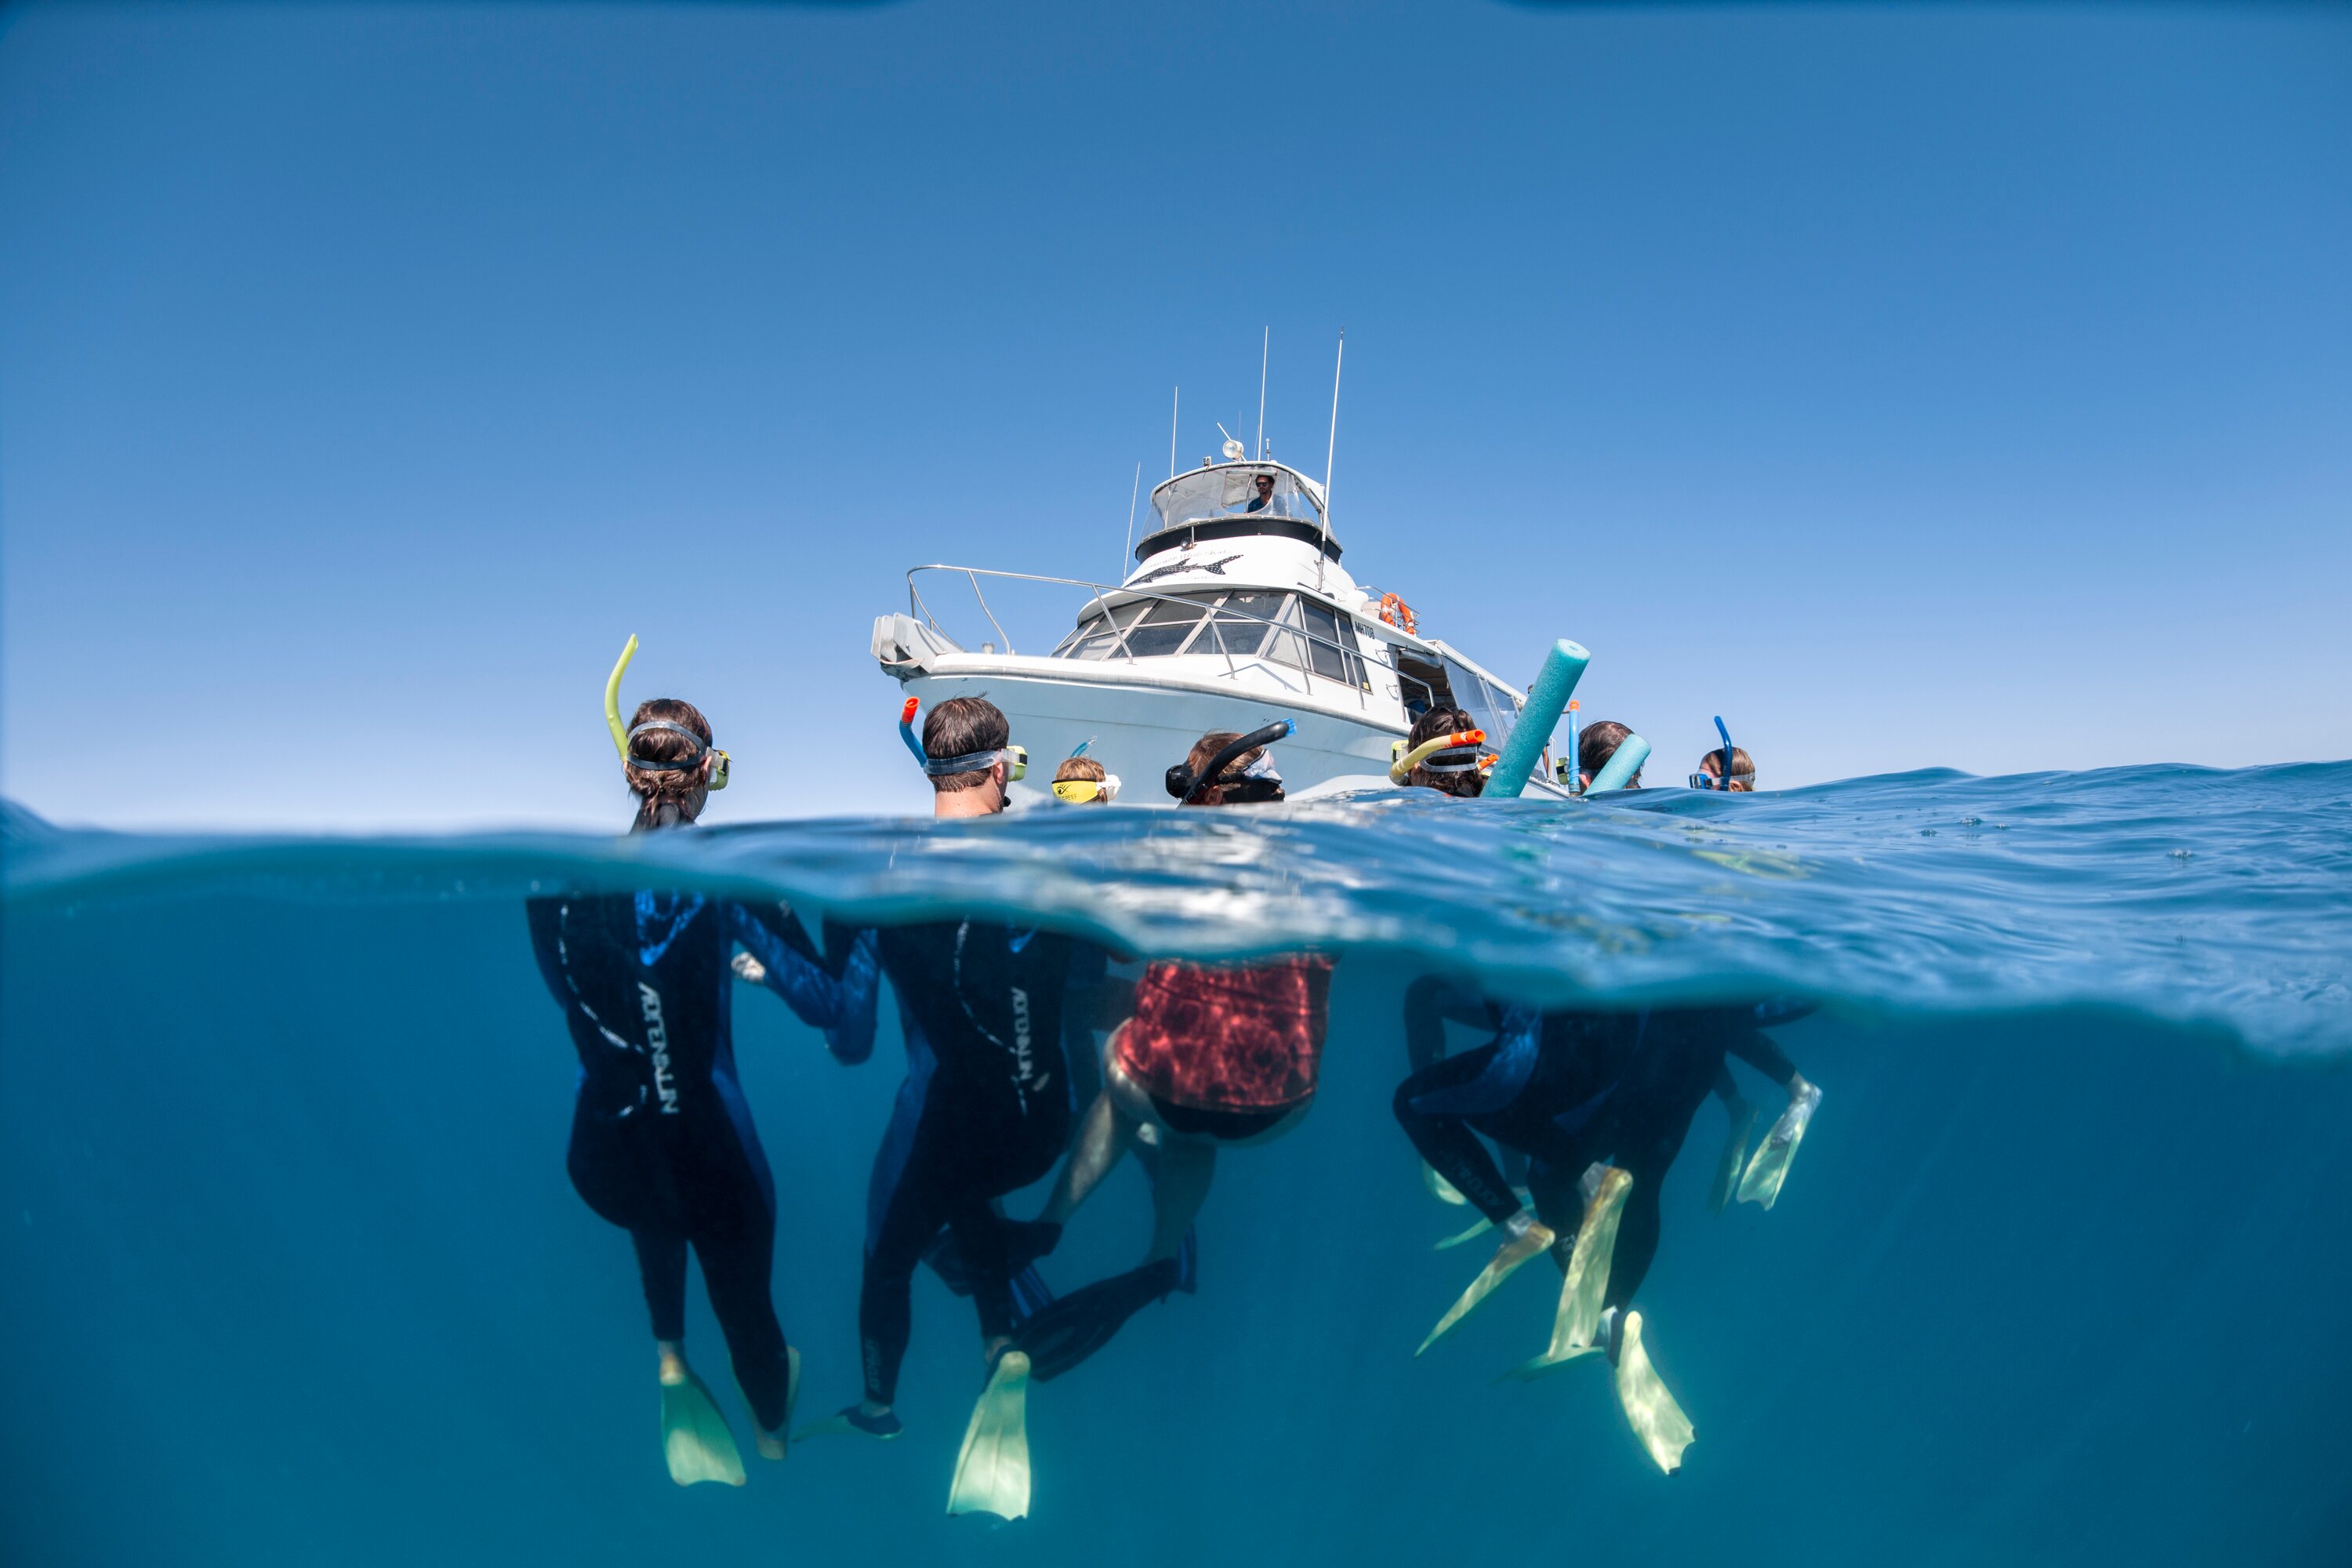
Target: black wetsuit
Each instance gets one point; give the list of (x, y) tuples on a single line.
[(985, 1111), (1569, 1089), (662, 1144)]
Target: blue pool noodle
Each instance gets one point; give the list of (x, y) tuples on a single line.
[(1623, 763), (1563, 667)]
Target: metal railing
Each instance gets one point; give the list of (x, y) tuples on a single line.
[(1210, 614)]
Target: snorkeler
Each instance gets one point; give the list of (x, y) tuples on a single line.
[(662, 1144), (1214, 1055), (984, 1110), (1602, 1103), (1596, 743), (1082, 781), (1444, 752), (1725, 767)]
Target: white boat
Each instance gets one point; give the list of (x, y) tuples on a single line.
[(1236, 612)]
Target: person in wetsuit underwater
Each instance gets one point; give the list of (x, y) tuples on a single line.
[(985, 1108), (1579, 1089), (1214, 1055), (662, 1144)]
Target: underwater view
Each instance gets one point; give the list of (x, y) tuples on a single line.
[(299, 1269)]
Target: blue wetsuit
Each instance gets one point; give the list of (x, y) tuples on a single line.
[(985, 1111), (1569, 1089), (662, 1144)]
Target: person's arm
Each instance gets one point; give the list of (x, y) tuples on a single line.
[(835, 994), (546, 918)]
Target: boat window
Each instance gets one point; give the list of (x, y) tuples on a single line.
[(1163, 627), (1230, 489), (1491, 708), (1239, 627), (1332, 649), (1095, 637)]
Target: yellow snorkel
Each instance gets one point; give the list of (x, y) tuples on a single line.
[(613, 699), (1400, 767)]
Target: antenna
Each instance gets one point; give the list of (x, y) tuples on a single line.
[(1134, 490), (1173, 407), (1264, 347), (1328, 453)]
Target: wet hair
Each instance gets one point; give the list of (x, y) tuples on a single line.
[(665, 798), (1204, 752), (1597, 742), (1080, 768), (958, 726), (1440, 721), (1741, 763)]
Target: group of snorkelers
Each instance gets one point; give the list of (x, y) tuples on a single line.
[(1557, 1128)]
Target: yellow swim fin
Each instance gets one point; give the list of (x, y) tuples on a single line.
[(1472, 1234), (1657, 1420), (1515, 1250), (1580, 1293), (1727, 1169), (1769, 1168), (695, 1439), (991, 1473), (1439, 1187)]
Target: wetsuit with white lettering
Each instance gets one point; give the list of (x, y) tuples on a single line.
[(662, 1143), (985, 1112)]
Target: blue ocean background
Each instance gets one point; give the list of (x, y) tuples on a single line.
[(293, 1273)]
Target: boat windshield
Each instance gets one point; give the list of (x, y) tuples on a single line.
[(1233, 490)]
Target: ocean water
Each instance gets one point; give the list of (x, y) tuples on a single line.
[(290, 1271)]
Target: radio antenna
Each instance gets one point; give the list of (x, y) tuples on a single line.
[(1133, 490), (1173, 406), (1329, 452), (1265, 346)]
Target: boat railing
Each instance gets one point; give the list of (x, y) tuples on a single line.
[(1350, 658)]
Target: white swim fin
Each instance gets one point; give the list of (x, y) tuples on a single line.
[(991, 1473)]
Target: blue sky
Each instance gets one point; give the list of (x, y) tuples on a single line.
[(1913, 385)]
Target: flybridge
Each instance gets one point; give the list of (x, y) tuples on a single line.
[(1238, 500)]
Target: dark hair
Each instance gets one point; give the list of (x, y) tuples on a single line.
[(667, 797), (958, 726), (1597, 742), (1740, 762), (1429, 727), (1204, 752)]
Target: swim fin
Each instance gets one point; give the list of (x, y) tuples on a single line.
[(1735, 1153), (991, 1473), (1026, 1241), (1770, 1167), (1440, 1188), (1515, 1250), (695, 1439), (1061, 1336), (1657, 1420), (1472, 1234), (1580, 1293)]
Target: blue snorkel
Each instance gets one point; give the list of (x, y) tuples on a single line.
[(906, 732), (1725, 782)]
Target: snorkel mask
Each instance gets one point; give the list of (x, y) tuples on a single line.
[(1015, 758), (1723, 780), (1454, 753), (1085, 792), (1254, 784), (622, 736)]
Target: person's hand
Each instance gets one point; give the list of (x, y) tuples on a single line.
[(750, 968)]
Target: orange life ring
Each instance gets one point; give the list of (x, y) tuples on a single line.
[(1396, 612)]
